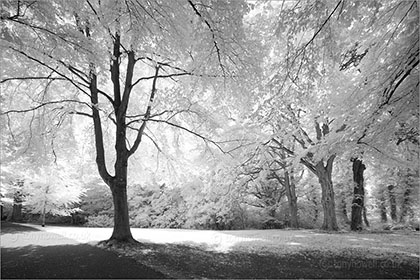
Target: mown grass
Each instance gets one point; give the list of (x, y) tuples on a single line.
[(272, 254), (188, 261)]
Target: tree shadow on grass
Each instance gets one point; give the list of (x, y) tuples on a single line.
[(186, 261), (81, 261), (8, 227)]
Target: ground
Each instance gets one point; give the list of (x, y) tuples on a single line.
[(30, 252), (173, 253)]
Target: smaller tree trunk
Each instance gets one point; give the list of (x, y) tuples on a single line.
[(271, 211), (294, 222), (382, 208), (17, 212), (327, 199), (344, 210), (405, 207), (392, 202), (316, 211), (292, 200), (358, 195), (17, 203), (43, 215), (365, 219)]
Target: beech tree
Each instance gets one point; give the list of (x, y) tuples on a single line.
[(124, 62), (339, 80)]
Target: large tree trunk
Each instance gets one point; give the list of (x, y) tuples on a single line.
[(327, 199), (358, 195), (118, 182), (392, 202), (292, 200), (121, 230)]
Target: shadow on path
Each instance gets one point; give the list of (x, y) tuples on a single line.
[(7, 227), (70, 261), (47, 255)]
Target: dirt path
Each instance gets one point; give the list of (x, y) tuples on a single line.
[(71, 260)]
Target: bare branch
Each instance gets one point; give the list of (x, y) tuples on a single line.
[(205, 139), (213, 34), (146, 115), (31, 78), (161, 76), (99, 141), (34, 27), (45, 104), (52, 69)]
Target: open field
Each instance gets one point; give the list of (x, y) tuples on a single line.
[(250, 253)]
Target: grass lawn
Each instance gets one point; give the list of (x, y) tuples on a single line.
[(253, 253)]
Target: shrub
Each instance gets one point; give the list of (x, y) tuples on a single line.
[(99, 221), (273, 223), (140, 221)]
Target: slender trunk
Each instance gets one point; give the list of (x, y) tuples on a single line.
[(405, 207), (358, 195), (327, 199), (392, 202), (292, 200), (365, 217), (43, 214), (272, 211), (344, 210), (294, 221), (316, 211), (382, 208)]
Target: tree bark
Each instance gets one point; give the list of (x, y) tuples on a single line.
[(118, 182), (365, 219), (43, 214), (382, 208), (358, 195), (316, 211), (121, 231), (292, 200), (393, 203), (344, 210), (327, 199), (323, 174), (405, 207), (17, 203), (16, 212)]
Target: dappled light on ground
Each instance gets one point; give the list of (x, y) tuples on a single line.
[(212, 240), (276, 241), (228, 254)]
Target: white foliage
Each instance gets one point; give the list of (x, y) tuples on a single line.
[(54, 189)]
